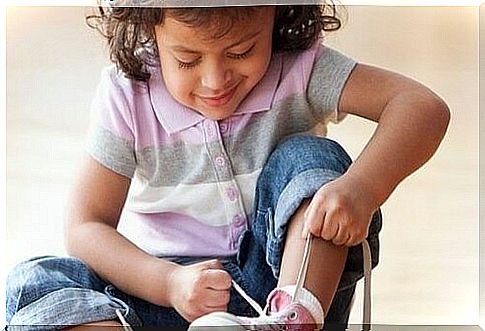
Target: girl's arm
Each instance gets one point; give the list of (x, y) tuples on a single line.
[(412, 121), (90, 234)]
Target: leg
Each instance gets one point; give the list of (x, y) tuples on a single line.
[(338, 315), (103, 325), (322, 278), (57, 292)]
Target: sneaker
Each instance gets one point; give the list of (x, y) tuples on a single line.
[(284, 309), (281, 313)]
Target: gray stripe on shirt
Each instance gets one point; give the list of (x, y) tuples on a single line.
[(329, 75), (113, 152)]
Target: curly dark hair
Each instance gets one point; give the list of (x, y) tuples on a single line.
[(130, 31)]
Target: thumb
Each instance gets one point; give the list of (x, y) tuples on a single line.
[(304, 232)]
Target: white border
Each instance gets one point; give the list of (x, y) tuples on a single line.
[(407, 3), (3, 144), (3, 162)]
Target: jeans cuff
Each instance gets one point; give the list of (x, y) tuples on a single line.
[(69, 307), (302, 186)]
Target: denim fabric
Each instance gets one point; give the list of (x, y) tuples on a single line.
[(47, 293)]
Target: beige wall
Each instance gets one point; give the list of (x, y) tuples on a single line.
[(482, 160), (429, 256)]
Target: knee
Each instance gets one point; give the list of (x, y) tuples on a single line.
[(309, 152), (21, 284), (30, 280), (17, 280)]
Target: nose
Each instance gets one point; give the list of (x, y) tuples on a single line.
[(215, 76)]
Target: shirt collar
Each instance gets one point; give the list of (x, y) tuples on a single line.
[(175, 117)]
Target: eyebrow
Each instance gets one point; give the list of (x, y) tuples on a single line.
[(183, 49)]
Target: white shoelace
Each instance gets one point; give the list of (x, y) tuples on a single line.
[(366, 319), (126, 326), (300, 280), (250, 300)]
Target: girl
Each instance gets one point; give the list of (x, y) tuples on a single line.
[(207, 134)]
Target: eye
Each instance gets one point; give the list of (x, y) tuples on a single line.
[(187, 65), (245, 54)]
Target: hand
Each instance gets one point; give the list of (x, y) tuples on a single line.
[(341, 212), (199, 289)]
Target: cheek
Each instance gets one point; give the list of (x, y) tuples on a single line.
[(258, 68), (179, 84)]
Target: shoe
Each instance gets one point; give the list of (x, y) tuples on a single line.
[(284, 309), (281, 313)]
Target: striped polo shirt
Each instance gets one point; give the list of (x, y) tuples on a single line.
[(193, 179)]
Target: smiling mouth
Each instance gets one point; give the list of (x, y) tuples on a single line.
[(221, 99)]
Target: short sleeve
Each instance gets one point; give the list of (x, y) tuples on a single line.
[(330, 72), (110, 139)]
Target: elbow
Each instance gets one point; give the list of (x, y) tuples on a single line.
[(441, 116), (435, 115), (71, 231), (68, 238)]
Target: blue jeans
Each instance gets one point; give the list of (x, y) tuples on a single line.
[(48, 293)]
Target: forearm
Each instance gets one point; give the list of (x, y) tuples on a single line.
[(120, 262), (410, 130)]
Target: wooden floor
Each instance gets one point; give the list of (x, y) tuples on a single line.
[(428, 271)]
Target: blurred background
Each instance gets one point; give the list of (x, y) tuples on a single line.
[(429, 266)]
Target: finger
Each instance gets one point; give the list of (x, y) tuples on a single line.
[(215, 298), (217, 279), (314, 220), (208, 310), (342, 237), (354, 240), (330, 226)]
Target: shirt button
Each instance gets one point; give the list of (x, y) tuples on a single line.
[(231, 193), (220, 161), (223, 128), (238, 220)]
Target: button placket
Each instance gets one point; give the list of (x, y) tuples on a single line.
[(216, 150), (238, 227), (232, 193), (209, 128), (231, 196)]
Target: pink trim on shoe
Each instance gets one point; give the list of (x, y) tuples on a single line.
[(281, 313), (280, 303)]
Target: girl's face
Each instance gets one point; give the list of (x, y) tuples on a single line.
[(212, 76)]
